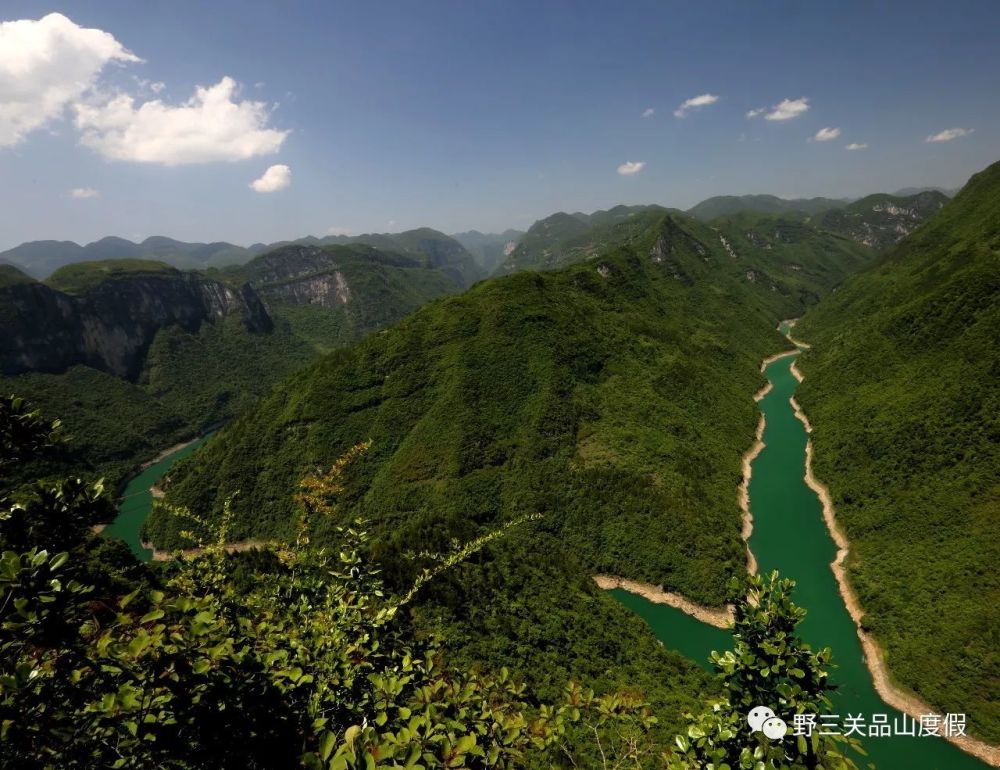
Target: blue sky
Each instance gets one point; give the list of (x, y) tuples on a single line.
[(458, 115)]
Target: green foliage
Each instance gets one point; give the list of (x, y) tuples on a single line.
[(903, 387), (787, 261), (307, 665), (192, 380), (23, 431), (84, 276), (881, 220), (802, 261), (603, 401), (10, 276), (730, 205), (768, 666), (611, 397), (561, 239)]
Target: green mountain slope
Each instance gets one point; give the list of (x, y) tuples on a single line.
[(489, 249), (178, 352), (10, 275), (903, 388), (778, 253), (881, 220), (728, 205), (334, 295), (612, 397), (561, 239), (432, 248), (790, 254), (42, 258)]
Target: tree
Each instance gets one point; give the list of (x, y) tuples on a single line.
[(301, 665), (769, 666)]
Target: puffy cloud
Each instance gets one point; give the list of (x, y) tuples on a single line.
[(948, 134), (787, 109), (826, 135), (277, 177), (46, 65), (648, 112), (84, 192), (631, 167), (857, 146), (695, 103), (208, 127), (755, 112)]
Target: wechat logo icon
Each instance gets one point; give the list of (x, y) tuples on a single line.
[(762, 719)]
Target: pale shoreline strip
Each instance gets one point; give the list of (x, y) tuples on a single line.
[(191, 553), (169, 451), (888, 690), (718, 617), (743, 492), (788, 335)]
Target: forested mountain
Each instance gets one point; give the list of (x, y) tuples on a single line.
[(105, 315), (135, 355), (610, 397), (785, 255), (432, 248), (728, 205), (903, 387), (42, 258), (563, 238), (881, 220), (489, 249)]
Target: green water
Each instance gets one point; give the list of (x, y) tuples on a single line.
[(789, 535), (137, 501)]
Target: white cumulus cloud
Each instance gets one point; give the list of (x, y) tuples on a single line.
[(46, 65), (826, 135), (631, 167), (948, 134), (648, 112), (277, 177), (695, 103), (857, 146), (84, 192), (210, 126), (786, 109)]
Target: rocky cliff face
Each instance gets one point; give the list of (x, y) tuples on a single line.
[(882, 221), (312, 275), (111, 326)]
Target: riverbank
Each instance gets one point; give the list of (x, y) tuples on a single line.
[(743, 492), (167, 452), (790, 322), (874, 657), (718, 617), (191, 553)]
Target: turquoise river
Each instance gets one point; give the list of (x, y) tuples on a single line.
[(790, 535), (137, 500)]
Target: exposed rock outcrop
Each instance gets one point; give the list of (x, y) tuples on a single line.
[(111, 325)]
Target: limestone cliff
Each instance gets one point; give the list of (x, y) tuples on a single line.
[(110, 325)]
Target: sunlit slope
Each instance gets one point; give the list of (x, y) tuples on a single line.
[(903, 388), (611, 397), (616, 393), (782, 254)]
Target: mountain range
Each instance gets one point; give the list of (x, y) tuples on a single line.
[(599, 382), (41, 258)]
